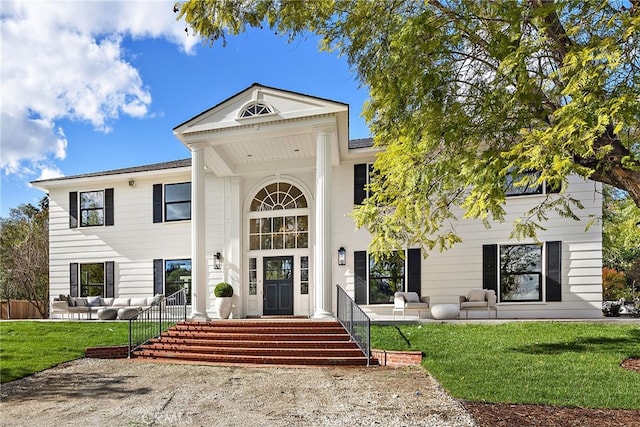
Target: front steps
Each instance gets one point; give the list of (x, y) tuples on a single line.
[(275, 342)]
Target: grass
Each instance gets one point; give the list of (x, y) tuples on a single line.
[(555, 363), (27, 347)]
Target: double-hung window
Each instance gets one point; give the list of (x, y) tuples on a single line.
[(172, 202), (526, 183), (378, 280), (523, 272), (91, 208)]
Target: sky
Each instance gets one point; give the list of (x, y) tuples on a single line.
[(88, 86)]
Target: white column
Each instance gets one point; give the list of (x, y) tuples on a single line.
[(198, 239), (323, 232)]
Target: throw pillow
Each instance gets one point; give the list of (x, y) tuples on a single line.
[(476, 295), (93, 301), (81, 302), (138, 302), (411, 297)]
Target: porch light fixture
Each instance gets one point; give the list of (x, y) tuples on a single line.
[(342, 256), (217, 261)]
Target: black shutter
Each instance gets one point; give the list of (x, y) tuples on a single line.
[(554, 271), (73, 209), (490, 267), (157, 203), (360, 264), (108, 206), (109, 279), (360, 172), (73, 279), (414, 264), (158, 276)]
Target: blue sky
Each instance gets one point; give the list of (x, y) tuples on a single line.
[(91, 86)]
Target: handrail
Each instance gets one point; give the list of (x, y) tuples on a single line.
[(355, 321), (153, 321)]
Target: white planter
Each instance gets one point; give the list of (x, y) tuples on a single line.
[(223, 306)]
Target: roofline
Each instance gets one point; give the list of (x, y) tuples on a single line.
[(174, 164), (262, 86)]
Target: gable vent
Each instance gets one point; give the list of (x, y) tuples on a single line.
[(254, 109)]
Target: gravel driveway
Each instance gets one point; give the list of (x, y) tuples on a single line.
[(129, 393)]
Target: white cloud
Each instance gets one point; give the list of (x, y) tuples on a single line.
[(65, 60)]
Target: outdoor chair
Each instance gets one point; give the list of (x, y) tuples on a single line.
[(479, 299)]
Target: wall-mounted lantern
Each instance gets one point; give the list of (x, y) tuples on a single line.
[(217, 261), (342, 256)]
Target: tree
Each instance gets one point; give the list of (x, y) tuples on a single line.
[(620, 232), (465, 94), (24, 255), (620, 245)]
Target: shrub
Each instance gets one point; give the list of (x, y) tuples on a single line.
[(223, 290)]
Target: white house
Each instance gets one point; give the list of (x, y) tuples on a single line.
[(263, 203)]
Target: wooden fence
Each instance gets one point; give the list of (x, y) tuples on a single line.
[(18, 309)]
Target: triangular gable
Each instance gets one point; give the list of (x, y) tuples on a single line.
[(282, 105)]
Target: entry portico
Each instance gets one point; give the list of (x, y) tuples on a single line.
[(272, 137)]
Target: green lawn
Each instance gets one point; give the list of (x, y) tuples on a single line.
[(556, 363), (27, 347)]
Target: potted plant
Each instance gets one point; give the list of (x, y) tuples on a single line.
[(223, 292)]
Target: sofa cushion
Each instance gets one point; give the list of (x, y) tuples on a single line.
[(476, 295), (120, 302), (157, 298), (106, 301), (411, 297), (474, 304), (93, 301), (80, 302), (138, 302)]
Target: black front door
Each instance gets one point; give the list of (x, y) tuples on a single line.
[(278, 286)]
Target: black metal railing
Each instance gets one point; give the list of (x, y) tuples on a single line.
[(153, 321), (355, 321)]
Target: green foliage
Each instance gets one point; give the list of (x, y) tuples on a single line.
[(614, 285), (553, 363), (466, 92), (620, 232), (223, 290), (29, 347), (24, 255)]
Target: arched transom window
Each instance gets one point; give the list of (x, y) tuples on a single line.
[(256, 108), (279, 218)]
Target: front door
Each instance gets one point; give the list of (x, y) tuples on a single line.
[(278, 286)]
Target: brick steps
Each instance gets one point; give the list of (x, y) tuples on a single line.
[(291, 342)]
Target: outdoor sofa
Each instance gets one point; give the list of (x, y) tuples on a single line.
[(89, 306)]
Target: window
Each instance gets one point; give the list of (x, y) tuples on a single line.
[(520, 273), (526, 183), (92, 279), (171, 202), (177, 201), (95, 208), (256, 108), (524, 272), (304, 275), (272, 224), (177, 276), (376, 282), (386, 277), (91, 208), (253, 276)]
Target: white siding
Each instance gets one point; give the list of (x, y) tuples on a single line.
[(446, 275)]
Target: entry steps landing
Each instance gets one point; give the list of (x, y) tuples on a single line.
[(288, 342)]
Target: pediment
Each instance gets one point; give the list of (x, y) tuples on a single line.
[(258, 105)]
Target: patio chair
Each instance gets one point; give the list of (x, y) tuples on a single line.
[(479, 299)]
